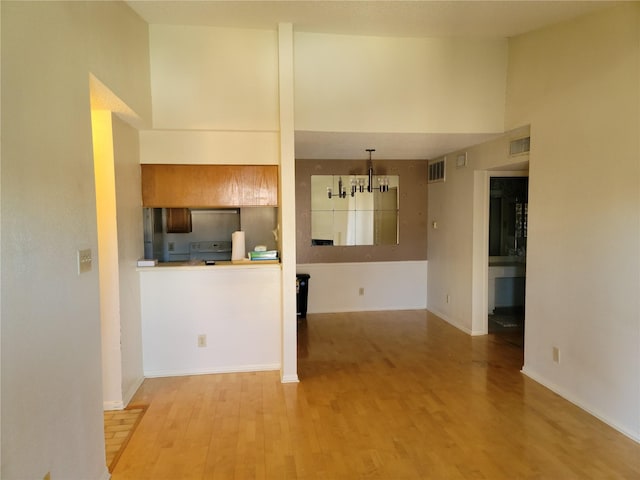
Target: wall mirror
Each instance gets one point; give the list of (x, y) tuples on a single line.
[(344, 211)]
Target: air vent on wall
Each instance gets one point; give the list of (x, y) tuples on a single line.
[(521, 145), (437, 170)]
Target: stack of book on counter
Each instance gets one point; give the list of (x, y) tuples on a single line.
[(264, 255)]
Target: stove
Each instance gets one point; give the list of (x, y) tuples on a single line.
[(210, 250)]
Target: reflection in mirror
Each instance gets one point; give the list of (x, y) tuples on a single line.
[(344, 212)]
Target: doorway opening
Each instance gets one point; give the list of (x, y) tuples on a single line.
[(508, 215)]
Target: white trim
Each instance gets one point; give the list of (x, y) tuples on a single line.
[(290, 379), (453, 323), (480, 255), (132, 391), (480, 278), (287, 201), (108, 405), (112, 405), (209, 371), (366, 309), (635, 436), (358, 264)]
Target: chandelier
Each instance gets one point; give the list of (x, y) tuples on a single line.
[(358, 184)]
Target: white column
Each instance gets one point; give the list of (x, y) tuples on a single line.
[(287, 203)]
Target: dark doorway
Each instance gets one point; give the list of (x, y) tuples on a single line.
[(508, 212)]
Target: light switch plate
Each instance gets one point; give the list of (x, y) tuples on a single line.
[(84, 261)]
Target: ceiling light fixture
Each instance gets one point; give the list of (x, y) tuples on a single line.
[(358, 182)]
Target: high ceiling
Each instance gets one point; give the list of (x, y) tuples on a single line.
[(417, 18)]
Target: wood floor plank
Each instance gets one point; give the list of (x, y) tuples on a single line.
[(383, 395)]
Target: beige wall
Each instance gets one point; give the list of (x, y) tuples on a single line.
[(107, 257), (347, 83), (51, 367), (215, 90), (119, 44), (215, 96), (206, 78), (412, 204), (578, 85)]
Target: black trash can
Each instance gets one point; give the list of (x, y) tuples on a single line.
[(302, 294)]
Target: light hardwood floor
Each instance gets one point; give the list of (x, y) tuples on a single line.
[(383, 395), (118, 427)]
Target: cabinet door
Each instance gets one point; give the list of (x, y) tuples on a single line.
[(260, 186), (209, 185), (178, 220)]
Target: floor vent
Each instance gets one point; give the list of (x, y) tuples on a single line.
[(437, 170), (519, 146)]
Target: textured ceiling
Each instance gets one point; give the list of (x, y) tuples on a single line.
[(417, 18)]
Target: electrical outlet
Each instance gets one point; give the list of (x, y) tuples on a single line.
[(361, 291), (172, 246), (84, 261), (556, 355), (448, 298), (202, 340)]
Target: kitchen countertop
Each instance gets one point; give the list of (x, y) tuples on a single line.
[(199, 265), (507, 261), (506, 264)]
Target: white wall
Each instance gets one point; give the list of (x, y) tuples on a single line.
[(350, 83), (236, 307), (130, 249), (209, 147), (118, 41), (457, 246), (206, 78), (347, 83), (335, 287), (225, 96), (117, 179), (578, 85), (215, 96), (215, 90), (51, 370), (287, 205), (107, 258), (51, 374)]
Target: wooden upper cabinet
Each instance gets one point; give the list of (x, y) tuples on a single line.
[(179, 220), (200, 186)]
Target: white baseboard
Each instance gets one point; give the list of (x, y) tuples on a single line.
[(290, 379), (209, 371), (635, 436), (368, 309), (109, 405), (452, 322), (132, 391), (112, 405), (105, 474)]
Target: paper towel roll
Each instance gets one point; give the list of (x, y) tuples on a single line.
[(238, 251)]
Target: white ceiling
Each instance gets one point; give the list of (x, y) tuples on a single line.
[(415, 18)]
